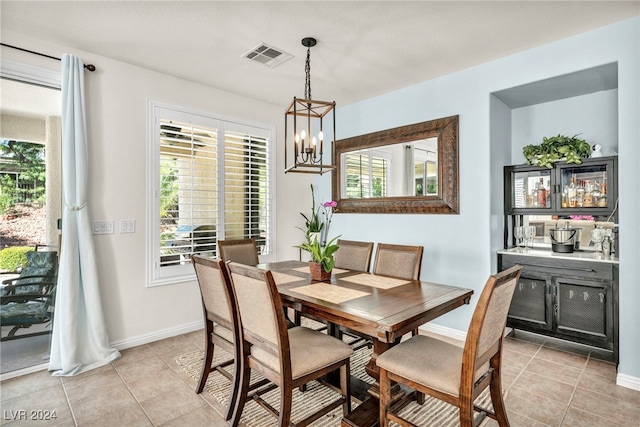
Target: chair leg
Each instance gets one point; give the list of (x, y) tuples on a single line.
[(208, 358), (236, 382), (385, 397), (244, 380), (466, 413), (345, 387), (286, 397), (496, 398)]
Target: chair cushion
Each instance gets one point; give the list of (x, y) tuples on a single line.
[(310, 350), (24, 313), (427, 361)]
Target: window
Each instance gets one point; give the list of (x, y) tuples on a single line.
[(211, 180), (425, 172), (367, 174)]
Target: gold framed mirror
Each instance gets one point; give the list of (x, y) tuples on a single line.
[(408, 169)]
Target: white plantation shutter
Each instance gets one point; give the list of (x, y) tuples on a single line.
[(212, 181), (188, 191), (246, 188), (366, 174)]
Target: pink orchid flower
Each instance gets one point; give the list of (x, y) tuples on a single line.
[(330, 204)]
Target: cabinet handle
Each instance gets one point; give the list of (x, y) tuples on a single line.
[(601, 298), (570, 294)]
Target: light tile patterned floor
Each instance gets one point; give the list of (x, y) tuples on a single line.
[(546, 386)]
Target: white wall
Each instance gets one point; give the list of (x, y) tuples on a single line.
[(116, 102), (460, 249)]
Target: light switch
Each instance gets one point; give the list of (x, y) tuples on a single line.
[(102, 227), (127, 226)]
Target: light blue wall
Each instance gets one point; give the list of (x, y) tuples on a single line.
[(460, 249), (594, 117)]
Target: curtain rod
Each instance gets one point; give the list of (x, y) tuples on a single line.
[(89, 67)]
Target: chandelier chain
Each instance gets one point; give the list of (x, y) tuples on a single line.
[(307, 70)]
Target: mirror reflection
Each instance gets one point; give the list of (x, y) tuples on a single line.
[(403, 169)]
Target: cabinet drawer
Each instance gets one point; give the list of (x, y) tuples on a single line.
[(535, 266)]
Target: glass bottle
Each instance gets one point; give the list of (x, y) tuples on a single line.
[(548, 193), (573, 193), (541, 194), (579, 194), (602, 200), (587, 197), (606, 246), (565, 197)]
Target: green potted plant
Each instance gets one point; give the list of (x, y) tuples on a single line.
[(322, 260), (560, 147), (313, 224)]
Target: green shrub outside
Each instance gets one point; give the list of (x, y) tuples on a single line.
[(14, 257)]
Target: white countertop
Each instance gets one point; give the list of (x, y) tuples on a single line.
[(548, 253)]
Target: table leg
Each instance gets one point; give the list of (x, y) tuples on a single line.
[(367, 413)]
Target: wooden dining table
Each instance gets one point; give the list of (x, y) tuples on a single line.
[(380, 307)]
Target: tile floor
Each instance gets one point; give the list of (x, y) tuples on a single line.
[(545, 386)]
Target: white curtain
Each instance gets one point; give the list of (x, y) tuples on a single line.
[(409, 170), (79, 342)]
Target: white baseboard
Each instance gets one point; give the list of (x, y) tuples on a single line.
[(442, 330), (628, 381), (157, 335)]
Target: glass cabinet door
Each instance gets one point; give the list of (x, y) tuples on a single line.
[(530, 189), (586, 186)]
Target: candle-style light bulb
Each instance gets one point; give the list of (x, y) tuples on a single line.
[(320, 136), (303, 135), (314, 141)]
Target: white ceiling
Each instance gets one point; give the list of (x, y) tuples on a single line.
[(365, 48)]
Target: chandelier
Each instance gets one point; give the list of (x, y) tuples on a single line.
[(304, 126)]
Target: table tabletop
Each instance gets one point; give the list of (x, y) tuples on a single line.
[(381, 307)]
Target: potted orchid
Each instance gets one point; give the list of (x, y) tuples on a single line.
[(316, 231), (321, 258)]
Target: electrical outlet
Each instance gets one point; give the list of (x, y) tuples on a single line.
[(127, 226), (102, 227)]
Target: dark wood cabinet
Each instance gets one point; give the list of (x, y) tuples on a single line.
[(572, 299)]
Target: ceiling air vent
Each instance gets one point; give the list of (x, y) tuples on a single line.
[(267, 55)]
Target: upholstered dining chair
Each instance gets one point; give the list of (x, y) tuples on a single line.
[(353, 255), (401, 261), (456, 374), (289, 358), (220, 322), (243, 251)]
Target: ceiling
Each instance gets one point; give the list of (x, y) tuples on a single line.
[(365, 48)]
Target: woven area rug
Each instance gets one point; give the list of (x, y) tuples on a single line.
[(433, 413)]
